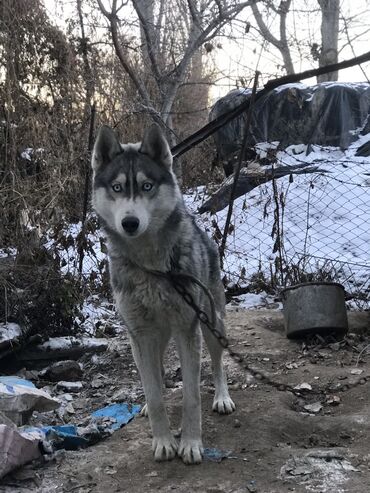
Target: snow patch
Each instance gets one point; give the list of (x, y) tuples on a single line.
[(325, 219), (8, 333), (57, 343)]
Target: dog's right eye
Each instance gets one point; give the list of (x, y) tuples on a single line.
[(116, 187)]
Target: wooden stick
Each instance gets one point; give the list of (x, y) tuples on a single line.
[(237, 171)]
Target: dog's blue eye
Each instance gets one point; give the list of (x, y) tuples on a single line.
[(147, 186), (116, 187)]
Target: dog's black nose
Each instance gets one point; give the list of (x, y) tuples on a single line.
[(130, 224)]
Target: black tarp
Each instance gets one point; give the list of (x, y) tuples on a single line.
[(329, 114)]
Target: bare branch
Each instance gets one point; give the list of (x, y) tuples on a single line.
[(112, 18), (266, 33), (103, 10), (195, 40), (350, 42), (282, 43), (238, 168)]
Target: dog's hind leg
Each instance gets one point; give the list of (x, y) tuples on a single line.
[(189, 344), (222, 402), (146, 350)]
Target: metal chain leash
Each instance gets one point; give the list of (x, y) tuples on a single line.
[(177, 280), (201, 314), (223, 341)]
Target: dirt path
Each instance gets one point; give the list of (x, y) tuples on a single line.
[(275, 445)]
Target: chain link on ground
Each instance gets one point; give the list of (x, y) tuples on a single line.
[(176, 278), (223, 341)]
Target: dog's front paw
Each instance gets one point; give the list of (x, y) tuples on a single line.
[(164, 448), (223, 405), (191, 451)]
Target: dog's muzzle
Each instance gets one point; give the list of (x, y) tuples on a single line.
[(130, 224)]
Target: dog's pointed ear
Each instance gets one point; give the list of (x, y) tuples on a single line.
[(155, 145), (106, 147)]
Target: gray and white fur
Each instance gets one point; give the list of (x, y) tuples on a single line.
[(139, 203)]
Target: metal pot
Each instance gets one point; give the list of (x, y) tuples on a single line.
[(314, 308)]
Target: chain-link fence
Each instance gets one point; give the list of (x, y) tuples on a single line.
[(312, 226), (306, 227), (305, 217)]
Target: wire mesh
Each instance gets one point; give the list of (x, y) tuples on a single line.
[(312, 226)]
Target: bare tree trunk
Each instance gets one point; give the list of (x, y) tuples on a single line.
[(148, 34), (329, 37), (202, 28), (203, 22)]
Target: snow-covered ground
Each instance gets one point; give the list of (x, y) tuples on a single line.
[(65, 244), (325, 219)]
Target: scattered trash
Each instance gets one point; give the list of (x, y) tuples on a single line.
[(319, 468), (28, 374), (333, 400), (335, 346), (70, 386), (4, 420), (120, 395), (251, 486), (303, 386), (152, 474), (19, 398), (313, 408), (235, 386), (215, 455), (71, 437), (58, 437), (118, 414), (291, 366), (69, 408), (66, 397), (15, 380), (16, 449), (62, 370), (299, 470), (97, 384), (356, 371)]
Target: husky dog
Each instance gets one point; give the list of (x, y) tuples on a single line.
[(138, 200)]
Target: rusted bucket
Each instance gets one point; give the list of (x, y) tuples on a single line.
[(314, 308)]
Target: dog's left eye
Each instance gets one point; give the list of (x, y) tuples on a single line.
[(116, 187), (147, 186)]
